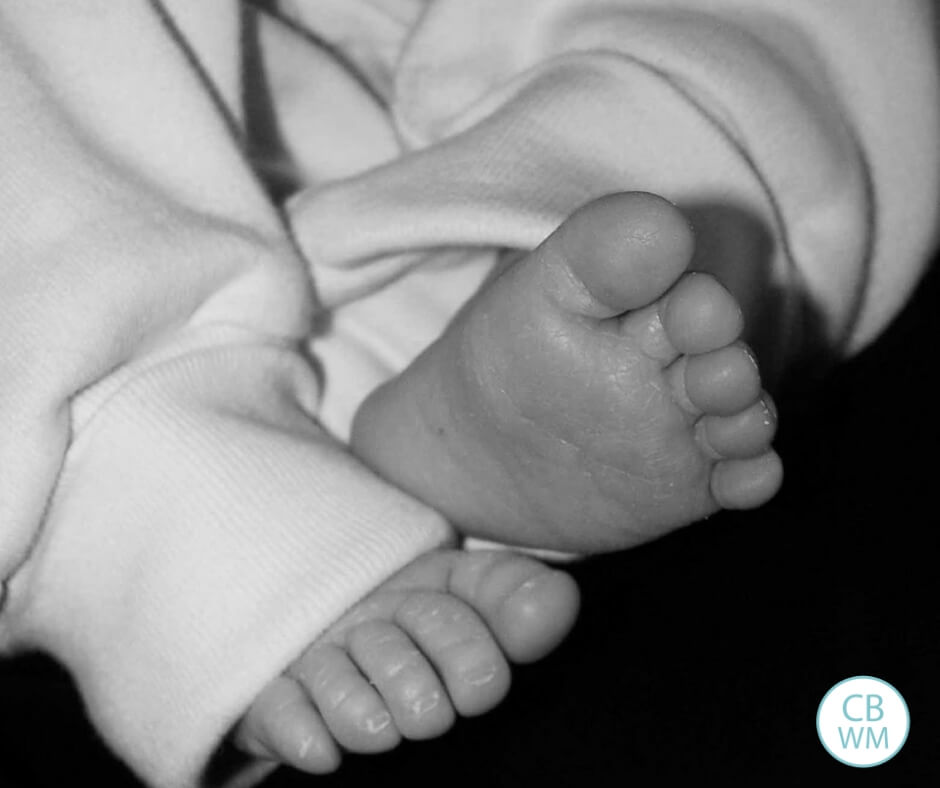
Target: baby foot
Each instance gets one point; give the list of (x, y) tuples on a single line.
[(430, 643), (591, 397)]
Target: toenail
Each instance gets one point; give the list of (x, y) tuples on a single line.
[(749, 354), (305, 746), (425, 704), (528, 586), (524, 592), (377, 722), (481, 675), (769, 410), (767, 418), (407, 660)]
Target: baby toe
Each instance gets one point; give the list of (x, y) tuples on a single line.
[(352, 709), (746, 484), (747, 433), (617, 253), (699, 315), (721, 382), (460, 647), (403, 676), (283, 724), (528, 607)]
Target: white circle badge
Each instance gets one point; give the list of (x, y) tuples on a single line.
[(863, 721)]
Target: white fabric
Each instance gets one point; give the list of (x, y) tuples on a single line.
[(174, 523), (815, 120)]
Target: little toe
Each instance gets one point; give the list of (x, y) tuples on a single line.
[(617, 253), (529, 607), (351, 707), (403, 676), (700, 315), (721, 382), (460, 647), (746, 484), (747, 433), (283, 724)]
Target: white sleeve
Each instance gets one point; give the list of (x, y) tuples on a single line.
[(174, 525), (801, 136)]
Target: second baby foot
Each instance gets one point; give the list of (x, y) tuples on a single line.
[(593, 396), (430, 643)]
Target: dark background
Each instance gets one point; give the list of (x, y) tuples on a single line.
[(699, 658)]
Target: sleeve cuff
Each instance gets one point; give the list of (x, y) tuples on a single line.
[(203, 532)]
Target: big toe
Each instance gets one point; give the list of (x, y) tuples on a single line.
[(615, 254), (529, 607)]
